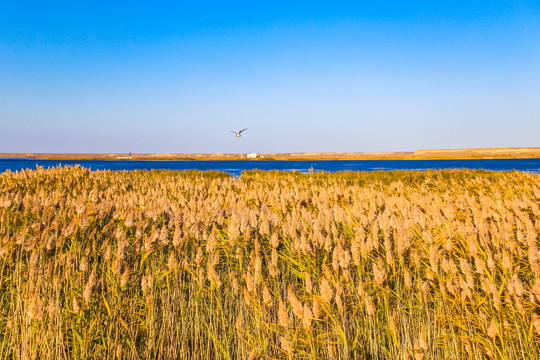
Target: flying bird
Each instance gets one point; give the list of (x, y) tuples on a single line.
[(238, 134)]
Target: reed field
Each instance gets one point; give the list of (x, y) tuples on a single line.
[(271, 265)]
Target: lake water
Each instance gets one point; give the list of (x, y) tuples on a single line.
[(236, 167)]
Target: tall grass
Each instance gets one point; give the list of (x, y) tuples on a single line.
[(178, 265)]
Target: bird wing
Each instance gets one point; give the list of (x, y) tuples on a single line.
[(234, 132), (242, 130)]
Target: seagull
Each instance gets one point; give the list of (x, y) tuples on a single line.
[(238, 134)]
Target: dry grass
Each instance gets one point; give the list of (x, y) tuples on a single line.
[(174, 265)]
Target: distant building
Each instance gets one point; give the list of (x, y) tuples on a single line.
[(252, 155), (125, 157)]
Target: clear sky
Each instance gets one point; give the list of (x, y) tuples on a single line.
[(174, 76)]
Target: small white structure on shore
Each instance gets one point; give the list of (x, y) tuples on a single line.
[(124, 157), (252, 155)]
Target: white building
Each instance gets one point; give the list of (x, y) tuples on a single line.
[(252, 155)]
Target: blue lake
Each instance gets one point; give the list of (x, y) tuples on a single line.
[(236, 167)]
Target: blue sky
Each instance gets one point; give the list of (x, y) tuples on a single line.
[(169, 76)]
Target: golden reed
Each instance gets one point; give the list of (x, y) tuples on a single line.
[(200, 265)]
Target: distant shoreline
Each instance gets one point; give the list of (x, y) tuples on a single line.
[(442, 154)]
